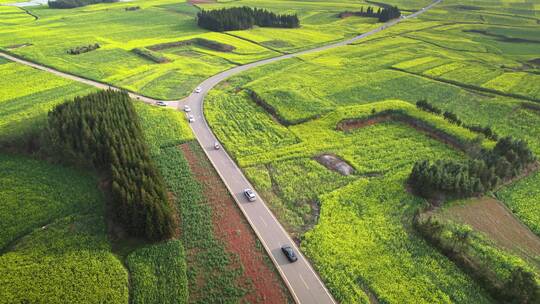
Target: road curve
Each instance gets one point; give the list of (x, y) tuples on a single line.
[(302, 281)]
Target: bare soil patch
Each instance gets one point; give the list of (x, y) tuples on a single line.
[(491, 217), (334, 163), (535, 61), (231, 227)]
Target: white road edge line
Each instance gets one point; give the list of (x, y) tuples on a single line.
[(303, 281), (262, 220)]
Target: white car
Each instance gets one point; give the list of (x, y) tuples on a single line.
[(191, 118), (161, 103), (187, 109), (217, 145), (198, 90), (250, 195)]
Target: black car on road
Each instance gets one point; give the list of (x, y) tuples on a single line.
[(289, 253)]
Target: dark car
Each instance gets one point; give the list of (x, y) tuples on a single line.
[(289, 253)]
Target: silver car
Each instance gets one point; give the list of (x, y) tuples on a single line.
[(250, 195), (161, 103)]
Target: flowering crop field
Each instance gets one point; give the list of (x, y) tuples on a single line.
[(118, 31), (51, 220), (357, 228), (27, 96), (14, 16), (158, 273), (478, 59)]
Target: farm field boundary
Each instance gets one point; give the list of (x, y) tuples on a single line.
[(469, 87)]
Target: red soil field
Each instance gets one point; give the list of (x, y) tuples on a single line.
[(231, 227)]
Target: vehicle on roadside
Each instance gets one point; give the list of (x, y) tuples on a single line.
[(198, 90), (161, 103), (250, 195), (288, 251), (216, 145), (191, 118), (187, 108)]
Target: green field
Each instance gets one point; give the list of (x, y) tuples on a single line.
[(52, 221), (158, 273), (27, 96), (159, 21), (477, 59), (357, 229)]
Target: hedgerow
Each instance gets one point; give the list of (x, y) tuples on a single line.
[(83, 49), (241, 18), (386, 13), (508, 159), (507, 277), (75, 3)]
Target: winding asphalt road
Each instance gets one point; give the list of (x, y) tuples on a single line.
[(302, 281)]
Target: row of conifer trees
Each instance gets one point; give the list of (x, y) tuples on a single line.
[(453, 178), (383, 14), (241, 18), (75, 3), (102, 130)]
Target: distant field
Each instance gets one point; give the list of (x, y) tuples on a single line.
[(159, 21), (28, 95)]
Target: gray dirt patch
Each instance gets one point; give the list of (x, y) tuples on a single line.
[(335, 163)]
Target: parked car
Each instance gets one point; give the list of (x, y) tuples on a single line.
[(161, 103), (216, 145), (191, 118), (187, 108), (198, 90), (250, 195), (288, 251)]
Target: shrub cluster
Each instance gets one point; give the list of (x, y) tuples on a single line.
[(475, 256), (241, 18), (132, 8), (453, 118), (75, 3), (102, 130), (83, 49), (384, 14), (475, 176), (155, 57)]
